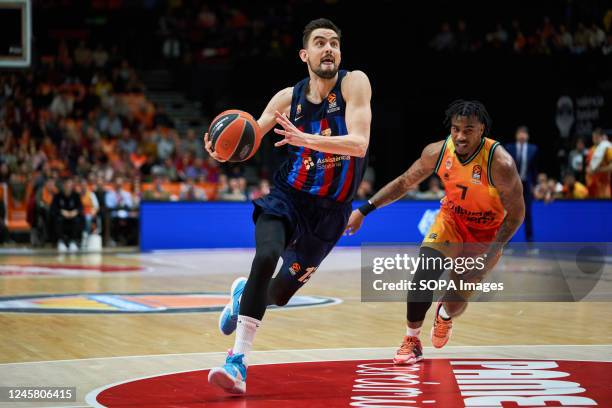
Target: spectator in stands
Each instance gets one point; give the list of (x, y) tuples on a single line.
[(434, 191), (100, 56), (136, 195), (261, 190), (573, 189), (127, 143), (210, 169), (82, 54), (138, 158), (581, 39), (444, 40), (192, 143), (67, 211), (43, 222), (62, 104), (165, 169), (464, 40), (195, 169), (555, 189), (119, 204), (182, 164), (541, 190), (606, 50), (497, 38), (222, 185), (191, 192), (563, 40), (576, 158), (525, 156), (157, 192), (91, 208), (236, 191), (599, 165), (110, 124), (18, 183), (165, 144), (5, 172), (597, 37), (161, 118)]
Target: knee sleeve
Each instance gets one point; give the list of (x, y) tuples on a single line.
[(419, 301), (270, 238)]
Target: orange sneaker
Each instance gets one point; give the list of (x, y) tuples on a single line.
[(410, 352), (441, 330)]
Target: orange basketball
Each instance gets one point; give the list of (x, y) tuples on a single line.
[(235, 135)]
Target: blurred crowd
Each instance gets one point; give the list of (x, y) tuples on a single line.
[(81, 145), (544, 39), (587, 173), (202, 31), (82, 116)]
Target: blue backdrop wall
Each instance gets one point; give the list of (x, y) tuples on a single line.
[(184, 225)]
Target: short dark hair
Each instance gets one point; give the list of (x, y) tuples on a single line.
[(318, 23), (465, 108), (522, 129), (599, 131)]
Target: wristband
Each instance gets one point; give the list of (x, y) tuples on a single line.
[(367, 208)]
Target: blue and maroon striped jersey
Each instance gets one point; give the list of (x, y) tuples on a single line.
[(321, 174)]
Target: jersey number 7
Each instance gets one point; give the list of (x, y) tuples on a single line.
[(463, 192)]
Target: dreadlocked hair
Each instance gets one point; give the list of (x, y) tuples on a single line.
[(465, 108)]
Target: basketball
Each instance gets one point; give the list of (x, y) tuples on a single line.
[(235, 135)]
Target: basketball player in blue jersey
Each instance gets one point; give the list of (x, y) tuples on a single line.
[(325, 121)]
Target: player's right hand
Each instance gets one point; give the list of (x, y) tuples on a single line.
[(354, 222), (208, 146)]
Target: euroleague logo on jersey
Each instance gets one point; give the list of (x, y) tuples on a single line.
[(476, 174), (332, 103)]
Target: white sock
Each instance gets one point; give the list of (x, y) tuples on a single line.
[(442, 313), (413, 332), (245, 334)]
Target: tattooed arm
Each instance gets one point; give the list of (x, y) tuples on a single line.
[(396, 189), (508, 184)]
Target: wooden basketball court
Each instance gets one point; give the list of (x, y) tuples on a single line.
[(127, 331)]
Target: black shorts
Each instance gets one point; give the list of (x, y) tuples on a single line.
[(314, 225)]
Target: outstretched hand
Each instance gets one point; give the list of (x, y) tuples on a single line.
[(292, 135)]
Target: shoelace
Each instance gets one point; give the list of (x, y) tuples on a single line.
[(407, 347), (441, 327)]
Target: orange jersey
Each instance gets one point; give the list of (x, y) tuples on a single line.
[(471, 197)]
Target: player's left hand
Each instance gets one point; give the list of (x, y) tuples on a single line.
[(291, 134), (354, 222)]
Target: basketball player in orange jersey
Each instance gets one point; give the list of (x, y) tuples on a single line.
[(325, 122), (483, 208)]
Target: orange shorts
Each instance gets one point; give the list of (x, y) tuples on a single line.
[(454, 239)]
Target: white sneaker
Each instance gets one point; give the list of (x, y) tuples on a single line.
[(73, 247), (61, 246)]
